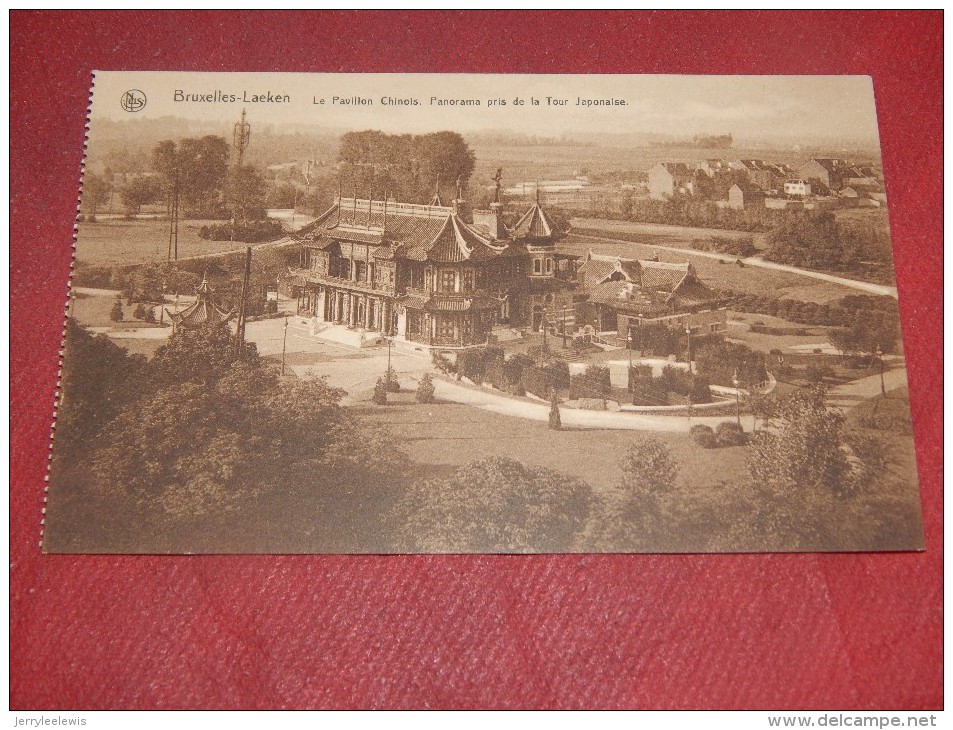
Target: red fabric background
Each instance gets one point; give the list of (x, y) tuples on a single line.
[(768, 631)]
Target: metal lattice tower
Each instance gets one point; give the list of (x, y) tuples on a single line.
[(240, 137)]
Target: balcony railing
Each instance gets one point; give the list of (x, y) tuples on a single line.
[(366, 286)]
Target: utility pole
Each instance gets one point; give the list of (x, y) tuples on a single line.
[(688, 332), (240, 329), (175, 213), (241, 134)]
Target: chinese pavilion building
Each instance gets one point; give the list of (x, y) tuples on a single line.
[(438, 275)]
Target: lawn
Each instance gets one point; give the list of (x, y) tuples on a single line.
[(443, 436), (117, 242)]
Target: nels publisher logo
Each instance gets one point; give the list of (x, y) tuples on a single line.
[(133, 101)]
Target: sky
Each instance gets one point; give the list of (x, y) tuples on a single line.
[(750, 107)]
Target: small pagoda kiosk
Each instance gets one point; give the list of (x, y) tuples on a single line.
[(203, 311)]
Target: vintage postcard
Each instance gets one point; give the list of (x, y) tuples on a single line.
[(393, 313)]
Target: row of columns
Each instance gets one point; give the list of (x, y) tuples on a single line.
[(358, 310)]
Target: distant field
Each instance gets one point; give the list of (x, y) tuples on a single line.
[(664, 234), (119, 242), (747, 280), (528, 162)]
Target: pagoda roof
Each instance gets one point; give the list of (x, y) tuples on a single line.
[(202, 311), (535, 223), (403, 230)]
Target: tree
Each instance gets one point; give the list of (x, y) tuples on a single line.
[(283, 195), (246, 193), (140, 191), (494, 505), (404, 165), (99, 378), (116, 313), (425, 389), (203, 354), (96, 191), (806, 470), (639, 514), (805, 448), (199, 167), (869, 331)]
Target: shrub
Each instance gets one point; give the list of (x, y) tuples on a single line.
[(148, 315), (534, 381), (140, 311), (391, 382), (648, 468), (817, 373), (473, 364), (271, 306), (425, 389), (250, 232), (731, 433), (443, 363), (555, 420), (557, 372), (704, 436), (380, 392), (701, 391)]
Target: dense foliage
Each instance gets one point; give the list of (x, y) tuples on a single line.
[(199, 431), (494, 505), (404, 166), (819, 241)]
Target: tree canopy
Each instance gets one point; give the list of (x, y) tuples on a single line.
[(199, 166), (494, 504), (404, 166)]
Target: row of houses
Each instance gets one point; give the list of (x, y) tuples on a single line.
[(757, 183)]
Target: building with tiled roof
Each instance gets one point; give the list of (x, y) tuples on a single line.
[(203, 311), (628, 292), (438, 275)]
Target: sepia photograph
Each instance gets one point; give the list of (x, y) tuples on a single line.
[(412, 313)]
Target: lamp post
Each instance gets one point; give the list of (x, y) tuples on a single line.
[(389, 343), (545, 342), (641, 338), (629, 343), (880, 360), (284, 346), (162, 307), (688, 333), (737, 384)]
